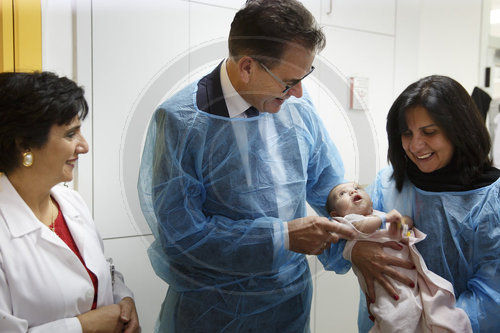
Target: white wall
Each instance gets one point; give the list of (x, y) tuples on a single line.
[(130, 54)]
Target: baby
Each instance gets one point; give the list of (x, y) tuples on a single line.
[(350, 201), (430, 305)]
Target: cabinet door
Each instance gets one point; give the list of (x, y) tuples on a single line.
[(367, 15), (362, 143), (131, 42)]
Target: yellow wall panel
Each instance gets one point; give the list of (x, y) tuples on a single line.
[(6, 36), (27, 35)]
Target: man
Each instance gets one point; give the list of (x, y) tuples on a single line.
[(228, 164)]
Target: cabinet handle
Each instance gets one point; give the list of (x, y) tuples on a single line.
[(330, 8)]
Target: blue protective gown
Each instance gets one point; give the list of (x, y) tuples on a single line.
[(462, 244), (215, 192)]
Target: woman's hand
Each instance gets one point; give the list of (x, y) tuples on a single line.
[(128, 315), (375, 265), (105, 319), (121, 317)]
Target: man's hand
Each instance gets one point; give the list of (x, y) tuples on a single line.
[(313, 234)]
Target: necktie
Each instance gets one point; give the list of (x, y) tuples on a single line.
[(251, 112)]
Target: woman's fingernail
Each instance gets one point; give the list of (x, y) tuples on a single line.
[(372, 318), (396, 297), (412, 285)]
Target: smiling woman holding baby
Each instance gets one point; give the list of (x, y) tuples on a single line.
[(441, 175)]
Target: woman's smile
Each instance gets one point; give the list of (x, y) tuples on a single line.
[(424, 142)]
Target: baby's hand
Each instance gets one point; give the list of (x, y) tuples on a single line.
[(394, 216), (395, 230), (399, 224)]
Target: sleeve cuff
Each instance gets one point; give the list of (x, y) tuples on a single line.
[(384, 220), (286, 239), (280, 239), (120, 290)]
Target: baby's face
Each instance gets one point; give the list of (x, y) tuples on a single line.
[(349, 198)]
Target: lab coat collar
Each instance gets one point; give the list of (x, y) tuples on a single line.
[(18, 216)]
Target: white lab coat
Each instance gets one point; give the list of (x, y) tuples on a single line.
[(43, 284)]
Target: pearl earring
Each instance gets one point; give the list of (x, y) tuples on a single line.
[(28, 159)]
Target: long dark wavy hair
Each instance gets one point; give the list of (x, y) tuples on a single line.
[(453, 110)]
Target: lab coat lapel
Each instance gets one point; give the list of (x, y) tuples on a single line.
[(87, 240), (79, 231)]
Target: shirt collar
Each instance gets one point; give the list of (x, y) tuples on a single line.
[(236, 105)]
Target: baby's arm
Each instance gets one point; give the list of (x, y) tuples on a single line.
[(369, 224)]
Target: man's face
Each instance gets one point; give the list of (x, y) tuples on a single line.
[(266, 90)]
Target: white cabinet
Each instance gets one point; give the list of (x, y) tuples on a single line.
[(367, 15), (131, 42), (371, 56)]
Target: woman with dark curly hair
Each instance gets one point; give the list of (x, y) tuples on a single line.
[(53, 273)]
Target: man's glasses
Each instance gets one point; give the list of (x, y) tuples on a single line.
[(287, 86)]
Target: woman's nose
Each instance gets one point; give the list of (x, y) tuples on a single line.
[(83, 146), (416, 143)]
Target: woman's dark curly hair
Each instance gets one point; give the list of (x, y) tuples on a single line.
[(264, 29), (454, 111), (30, 104)]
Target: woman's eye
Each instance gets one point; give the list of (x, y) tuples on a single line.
[(406, 133), (428, 133)]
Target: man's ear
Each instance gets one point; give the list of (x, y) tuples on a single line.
[(246, 69)]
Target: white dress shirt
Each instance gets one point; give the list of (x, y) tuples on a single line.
[(236, 105)]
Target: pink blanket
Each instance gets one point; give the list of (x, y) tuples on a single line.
[(429, 307)]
